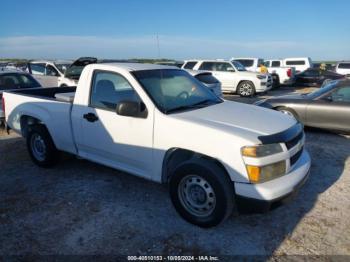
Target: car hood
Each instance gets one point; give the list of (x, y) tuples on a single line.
[(239, 118), (248, 73), (292, 96)]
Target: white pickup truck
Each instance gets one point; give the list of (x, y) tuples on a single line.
[(285, 75), (160, 123)]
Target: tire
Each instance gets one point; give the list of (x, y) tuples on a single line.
[(63, 85), (246, 89), (277, 83), (201, 192), (41, 148), (288, 111)]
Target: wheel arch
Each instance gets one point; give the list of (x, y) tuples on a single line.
[(175, 156), (280, 107), (26, 121)]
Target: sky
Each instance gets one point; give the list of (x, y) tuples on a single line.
[(177, 29)]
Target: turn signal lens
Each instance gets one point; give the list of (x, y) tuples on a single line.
[(265, 173), (253, 173)]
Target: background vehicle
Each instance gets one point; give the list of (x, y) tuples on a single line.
[(330, 67), (159, 123), (300, 64), (251, 64), (343, 68), (171, 63), (73, 72), (284, 74), (14, 80), (233, 76), (47, 72), (208, 80), (327, 107), (189, 64), (316, 77)]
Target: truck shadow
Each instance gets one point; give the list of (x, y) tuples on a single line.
[(141, 211)]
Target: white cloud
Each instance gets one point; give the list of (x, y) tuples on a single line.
[(177, 47)]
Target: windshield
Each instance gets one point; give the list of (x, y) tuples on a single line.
[(175, 90), (245, 62), (62, 67), (239, 66), (74, 72), (323, 90)]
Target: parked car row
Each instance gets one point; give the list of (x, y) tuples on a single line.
[(233, 76)]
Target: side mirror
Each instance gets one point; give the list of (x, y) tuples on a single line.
[(132, 109), (230, 69)]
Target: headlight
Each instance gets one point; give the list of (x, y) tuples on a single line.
[(261, 150), (261, 76), (258, 174)]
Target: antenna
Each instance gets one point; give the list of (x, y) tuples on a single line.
[(158, 49)]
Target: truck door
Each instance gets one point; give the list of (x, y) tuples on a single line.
[(331, 111), (118, 141)]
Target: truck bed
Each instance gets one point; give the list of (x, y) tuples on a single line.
[(52, 93), (49, 105)]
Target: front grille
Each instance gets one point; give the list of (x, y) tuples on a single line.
[(296, 157), (292, 143)]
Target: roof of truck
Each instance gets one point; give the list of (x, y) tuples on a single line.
[(137, 66)]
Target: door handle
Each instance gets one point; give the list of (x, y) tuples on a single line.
[(91, 117)]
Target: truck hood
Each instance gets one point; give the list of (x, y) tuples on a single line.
[(241, 119)]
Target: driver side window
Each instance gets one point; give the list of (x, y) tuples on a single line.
[(108, 89), (51, 71), (341, 94), (224, 67)]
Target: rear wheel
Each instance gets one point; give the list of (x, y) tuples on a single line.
[(201, 192), (246, 89), (41, 147)]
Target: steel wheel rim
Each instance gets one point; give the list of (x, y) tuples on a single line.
[(197, 195), (246, 90), (38, 147)]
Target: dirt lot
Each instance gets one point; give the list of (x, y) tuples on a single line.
[(84, 208)]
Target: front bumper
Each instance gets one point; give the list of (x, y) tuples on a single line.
[(265, 196), (264, 85)]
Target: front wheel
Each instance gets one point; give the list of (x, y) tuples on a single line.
[(287, 111), (40, 146), (201, 192), (246, 89)]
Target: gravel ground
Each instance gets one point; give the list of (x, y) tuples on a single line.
[(84, 208)]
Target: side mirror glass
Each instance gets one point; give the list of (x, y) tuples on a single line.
[(131, 109)]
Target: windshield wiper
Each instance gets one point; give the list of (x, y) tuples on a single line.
[(196, 105)]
